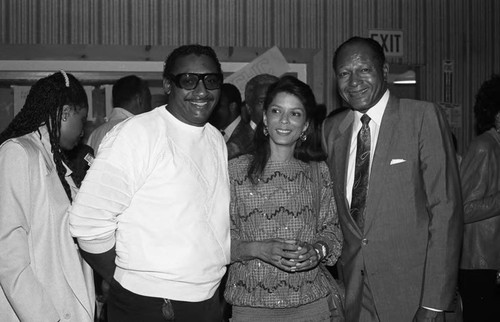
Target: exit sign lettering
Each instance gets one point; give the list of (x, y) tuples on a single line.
[(390, 40)]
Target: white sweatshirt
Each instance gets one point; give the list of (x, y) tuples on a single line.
[(159, 191)]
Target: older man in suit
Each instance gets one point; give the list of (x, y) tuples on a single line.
[(398, 193)]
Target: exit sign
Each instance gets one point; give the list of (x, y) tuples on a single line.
[(390, 40)]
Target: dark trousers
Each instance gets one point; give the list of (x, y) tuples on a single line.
[(480, 295), (126, 306)]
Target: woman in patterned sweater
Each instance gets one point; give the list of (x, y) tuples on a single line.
[(284, 223)]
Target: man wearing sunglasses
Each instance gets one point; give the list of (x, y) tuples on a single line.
[(152, 216)]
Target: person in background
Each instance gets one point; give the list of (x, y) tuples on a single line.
[(284, 223), (227, 118), (479, 277), (42, 276), (131, 96), (398, 194), (152, 215), (255, 93)]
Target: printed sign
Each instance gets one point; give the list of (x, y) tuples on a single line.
[(20, 94), (390, 40), (271, 62)]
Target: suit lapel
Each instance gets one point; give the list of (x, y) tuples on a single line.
[(380, 163), (237, 133), (240, 141), (342, 144)]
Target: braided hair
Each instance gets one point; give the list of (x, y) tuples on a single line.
[(44, 106)]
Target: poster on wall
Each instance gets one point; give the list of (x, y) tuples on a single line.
[(271, 62), (20, 94), (447, 86), (6, 107)]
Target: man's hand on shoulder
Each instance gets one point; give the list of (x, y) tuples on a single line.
[(425, 315)]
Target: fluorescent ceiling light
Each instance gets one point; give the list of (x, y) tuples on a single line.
[(407, 77), (405, 81)]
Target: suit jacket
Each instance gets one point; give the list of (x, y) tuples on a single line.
[(409, 249), (241, 141), (42, 276)]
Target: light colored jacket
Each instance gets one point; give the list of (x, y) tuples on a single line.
[(42, 276)]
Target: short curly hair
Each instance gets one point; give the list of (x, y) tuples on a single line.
[(487, 104), (377, 49), (187, 50)]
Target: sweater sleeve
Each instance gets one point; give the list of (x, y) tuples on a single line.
[(328, 230), (235, 169), (108, 188)]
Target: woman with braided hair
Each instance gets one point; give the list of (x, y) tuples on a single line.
[(41, 273)]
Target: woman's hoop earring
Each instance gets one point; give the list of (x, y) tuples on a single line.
[(303, 136), (265, 131)]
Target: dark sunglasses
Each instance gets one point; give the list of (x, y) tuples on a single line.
[(189, 81)]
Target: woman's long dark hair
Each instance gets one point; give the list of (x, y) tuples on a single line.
[(44, 106), (308, 150)]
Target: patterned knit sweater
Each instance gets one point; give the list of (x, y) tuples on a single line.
[(280, 205)]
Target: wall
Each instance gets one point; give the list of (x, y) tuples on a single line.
[(464, 31)]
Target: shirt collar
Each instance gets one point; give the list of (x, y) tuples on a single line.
[(376, 112), (118, 113), (253, 125)]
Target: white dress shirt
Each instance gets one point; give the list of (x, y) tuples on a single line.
[(375, 113)]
